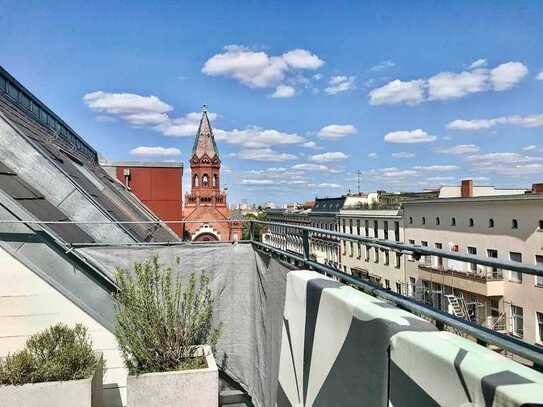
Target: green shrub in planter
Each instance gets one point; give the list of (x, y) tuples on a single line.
[(59, 353), (159, 321)]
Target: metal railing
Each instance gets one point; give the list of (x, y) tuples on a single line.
[(304, 258), (482, 334)]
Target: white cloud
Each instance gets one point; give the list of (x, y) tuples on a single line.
[(330, 156), (436, 168), (310, 167), (264, 154), (409, 137), (373, 155), (539, 76), (410, 93), (302, 59), (391, 175), (382, 66), (335, 131), (143, 111), (283, 91), (317, 76), (135, 109), (403, 154), (257, 182), (395, 173), (144, 151), (450, 85), (511, 164), (507, 75), (311, 144), (479, 63), (328, 185), (535, 120), (529, 148), (503, 158), (441, 179), (257, 69), (185, 126), (255, 137), (338, 84), (459, 149)]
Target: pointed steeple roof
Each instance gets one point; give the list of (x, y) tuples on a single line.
[(205, 142)]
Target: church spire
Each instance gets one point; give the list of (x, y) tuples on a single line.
[(205, 142)]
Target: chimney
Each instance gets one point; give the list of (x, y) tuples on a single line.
[(537, 188), (467, 188)]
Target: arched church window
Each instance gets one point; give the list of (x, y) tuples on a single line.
[(195, 180), (205, 180), (214, 181)]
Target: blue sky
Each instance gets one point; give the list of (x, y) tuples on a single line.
[(302, 94)]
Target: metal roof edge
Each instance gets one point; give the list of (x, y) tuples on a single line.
[(36, 100), (473, 199), (150, 164)]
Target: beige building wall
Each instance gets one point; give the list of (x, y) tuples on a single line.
[(380, 266), (28, 305), (485, 223)]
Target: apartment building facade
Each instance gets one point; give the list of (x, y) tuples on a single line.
[(325, 248), (379, 265), (508, 227)]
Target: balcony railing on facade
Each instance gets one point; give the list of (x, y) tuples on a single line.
[(442, 319), (479, 274)]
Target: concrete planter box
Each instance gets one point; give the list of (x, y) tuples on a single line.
[(183, 388), (72, 393)]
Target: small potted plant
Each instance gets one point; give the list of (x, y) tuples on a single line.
[(56, 368), (164, 330)]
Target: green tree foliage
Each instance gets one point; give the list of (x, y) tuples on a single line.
[(57, 354), (259, 229), (160, 322)]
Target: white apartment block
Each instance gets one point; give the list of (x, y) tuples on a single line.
[(508, 227)]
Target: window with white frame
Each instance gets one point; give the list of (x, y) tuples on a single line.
[(387, 257), (539, 262), (473, 251), (515, 275), (398, 260), (376, 254), (411, 257), (399, 288), (427, 259), (517, 320), (539, 322), (411, 287), (439, 259)]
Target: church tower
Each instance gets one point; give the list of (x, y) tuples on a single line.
[(206, 201)]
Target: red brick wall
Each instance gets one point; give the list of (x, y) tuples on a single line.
[(160, 189)]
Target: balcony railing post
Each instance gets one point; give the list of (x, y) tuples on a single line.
[(305, 239), (251, 230)]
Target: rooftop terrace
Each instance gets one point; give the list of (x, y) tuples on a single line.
[(296, 332)]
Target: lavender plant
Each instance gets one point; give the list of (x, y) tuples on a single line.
[(159, 321)]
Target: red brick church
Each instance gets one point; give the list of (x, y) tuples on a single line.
[(206, 202)]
